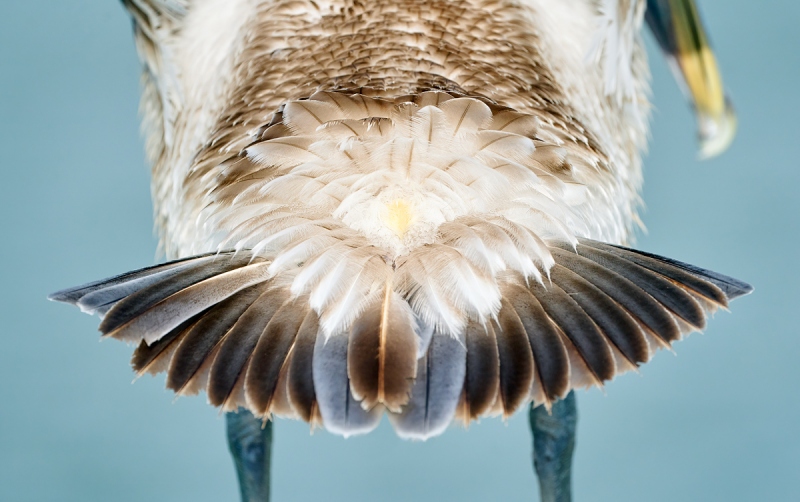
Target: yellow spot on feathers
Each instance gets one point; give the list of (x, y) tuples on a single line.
[(398, 217)]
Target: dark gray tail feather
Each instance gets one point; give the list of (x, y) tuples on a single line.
[(733, 288), (217, 322), (105, 293)]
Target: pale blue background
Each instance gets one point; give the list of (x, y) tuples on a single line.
[(717, 422)]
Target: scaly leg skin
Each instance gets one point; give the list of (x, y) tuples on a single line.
[(553, 444), (250, 442)]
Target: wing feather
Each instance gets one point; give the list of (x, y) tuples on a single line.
[(674, 298), (633, 298), (76, 294), (137, 303)]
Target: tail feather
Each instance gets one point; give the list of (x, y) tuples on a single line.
[(616, 324), (516, 358), (579, 328), (201, 339), (156, 358), (132, 306), (238, 345), (281, 405), (300, 381), (198, 382), (436, 391), (551, 362), (236, 398), (221, 323), (674, 298), (482, 378), (341, 413), (270, 354), (382, 356)]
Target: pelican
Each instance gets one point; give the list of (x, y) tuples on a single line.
[(419, 209)]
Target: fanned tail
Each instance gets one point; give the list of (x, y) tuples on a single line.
[(221, 323)]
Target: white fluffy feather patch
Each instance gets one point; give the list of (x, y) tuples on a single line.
[(436, 194), (616, 38)]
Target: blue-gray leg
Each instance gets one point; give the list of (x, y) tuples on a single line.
[(250, 442), (553, 444)]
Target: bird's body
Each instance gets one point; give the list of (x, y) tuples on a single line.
[(411, 207)]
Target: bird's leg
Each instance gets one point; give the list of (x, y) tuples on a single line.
[(553, 443), (250, 442)]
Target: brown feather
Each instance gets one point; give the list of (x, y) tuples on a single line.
[(76, 294), (202, 337), (158, 319), (237, 346), (551, 362), (668, 294), (281, 404), (580, 376), (613, 320), (482, 379), (269, 356), (236, 397), (516, 358), (579, 328), (199, 380), (300, 380), (382, 353), (683, 278), (462, 413), (133, 305), (154, 358), (630, 296)]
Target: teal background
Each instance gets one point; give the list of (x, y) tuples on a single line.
[(717, 422)]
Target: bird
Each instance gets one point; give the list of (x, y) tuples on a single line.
[(419, 209)]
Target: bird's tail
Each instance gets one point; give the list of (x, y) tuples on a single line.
[(220, 323)]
